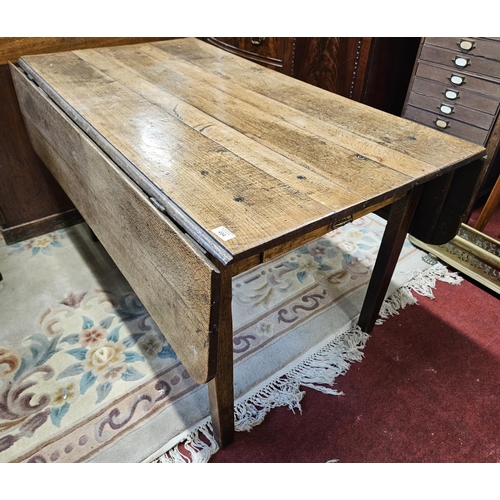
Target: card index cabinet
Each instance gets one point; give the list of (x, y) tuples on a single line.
[(455, 88)]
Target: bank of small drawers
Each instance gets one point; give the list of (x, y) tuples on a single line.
[(456, 86)]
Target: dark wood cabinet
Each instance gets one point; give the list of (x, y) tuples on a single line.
[(31, 201), (274, 52)]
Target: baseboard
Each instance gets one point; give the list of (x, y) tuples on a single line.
[(472, 253), (38, 227)]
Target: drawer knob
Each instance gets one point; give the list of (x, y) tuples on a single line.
[(257, 40), (457, 79), (451, 94), (446, 109), (461, 62), (442, 124), (467, 45)]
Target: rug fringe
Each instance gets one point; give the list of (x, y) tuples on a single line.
[(422, 283), (197, 447), (318, 371)]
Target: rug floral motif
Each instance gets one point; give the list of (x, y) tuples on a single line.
[(85, 373)]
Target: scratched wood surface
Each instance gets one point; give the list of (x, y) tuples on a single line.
[(11, 48), (170, 275), (230, 143)]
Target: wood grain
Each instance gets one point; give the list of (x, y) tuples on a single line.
[(161, 146), (398, 224), (479, 94), (170, 275), (221, 387), (12, 48), (273, 52), (266, 122), (414, 141), (489, 207), (31, 200), (234, 144), (27, 230), (221, 141), (337, 64), (26, 194)]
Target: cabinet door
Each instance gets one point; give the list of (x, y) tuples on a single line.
[(273, 52)]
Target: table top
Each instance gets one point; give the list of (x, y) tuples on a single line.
[(242, 155)]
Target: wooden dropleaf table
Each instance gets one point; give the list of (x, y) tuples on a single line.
[(192, 165)]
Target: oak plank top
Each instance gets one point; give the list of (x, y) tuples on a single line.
[(228, 143)]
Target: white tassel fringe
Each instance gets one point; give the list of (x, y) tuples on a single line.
[(197, 449), (318, 372), (422, 283)]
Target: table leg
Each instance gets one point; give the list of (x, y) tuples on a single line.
[(398, 224), (220, 388)]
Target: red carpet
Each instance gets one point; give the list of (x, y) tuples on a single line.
[(492, 229), (428, 390)]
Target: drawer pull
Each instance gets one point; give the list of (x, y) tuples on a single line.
[(466, 45), (442, 124), (451, 94), (461, 62), (457, 79), (257, 40), (446, 109)]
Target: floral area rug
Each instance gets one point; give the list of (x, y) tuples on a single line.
[(86, 376)]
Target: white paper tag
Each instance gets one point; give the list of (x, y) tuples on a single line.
[(223, 233)]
